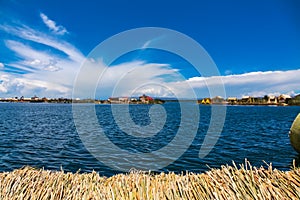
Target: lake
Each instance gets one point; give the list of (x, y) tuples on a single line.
[(45, 135)]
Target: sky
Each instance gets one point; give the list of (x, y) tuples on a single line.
[(254, 44)]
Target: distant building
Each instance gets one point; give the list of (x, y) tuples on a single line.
[(34, 98), (295, 100), (232, 100), (248, 100), (124, 99), (44, 99), (26, 99), (284, 99), (118, 100), (146, 99), (218, 100), (272, 99), (133, 99), (206, 101), (113, 100)]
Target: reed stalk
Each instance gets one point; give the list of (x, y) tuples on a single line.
[(228, 182)]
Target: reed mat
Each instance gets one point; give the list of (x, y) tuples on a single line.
[(227, 182)]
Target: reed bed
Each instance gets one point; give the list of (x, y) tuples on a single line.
[(228, 182)]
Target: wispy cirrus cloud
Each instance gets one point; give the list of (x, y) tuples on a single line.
[(43, 64), (59, 30), (32, 60), (26, 33), (146, 44)]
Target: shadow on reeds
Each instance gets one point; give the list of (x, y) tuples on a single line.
[(296, 161)]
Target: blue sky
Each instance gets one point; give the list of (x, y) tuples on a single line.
[(255, 44)]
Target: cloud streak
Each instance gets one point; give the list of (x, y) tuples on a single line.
[(59, 30), (27, 33)]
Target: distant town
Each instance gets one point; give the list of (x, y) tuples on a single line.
[(144, 99), (281, 100)]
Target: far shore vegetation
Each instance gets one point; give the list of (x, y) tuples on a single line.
[(281, 100)]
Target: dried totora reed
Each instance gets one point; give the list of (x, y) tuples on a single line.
[(228, 182)]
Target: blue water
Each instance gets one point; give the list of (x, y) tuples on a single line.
[(44, 135)]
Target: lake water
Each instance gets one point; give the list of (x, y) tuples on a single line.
[(44, 135)]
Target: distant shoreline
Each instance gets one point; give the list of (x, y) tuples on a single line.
[(97, 102), (282, 100)]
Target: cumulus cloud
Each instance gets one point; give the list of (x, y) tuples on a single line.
[(133, 79), (1, 65), (253, 83), (13, 85), (125, 79), (60, 30)]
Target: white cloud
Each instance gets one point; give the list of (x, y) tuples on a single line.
[(32, 58), (254, 83), (27, 33), (228, 72), (60, 30), (35, 62), (40, 72), (52, 68), (21, 68), (131, 78), (126, 79), (1, 65), (137, 78), (17, 85), (146, 44)]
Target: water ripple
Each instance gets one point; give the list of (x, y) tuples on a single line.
[(44, 135)]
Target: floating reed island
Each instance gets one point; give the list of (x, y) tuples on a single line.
[(228, 182)]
